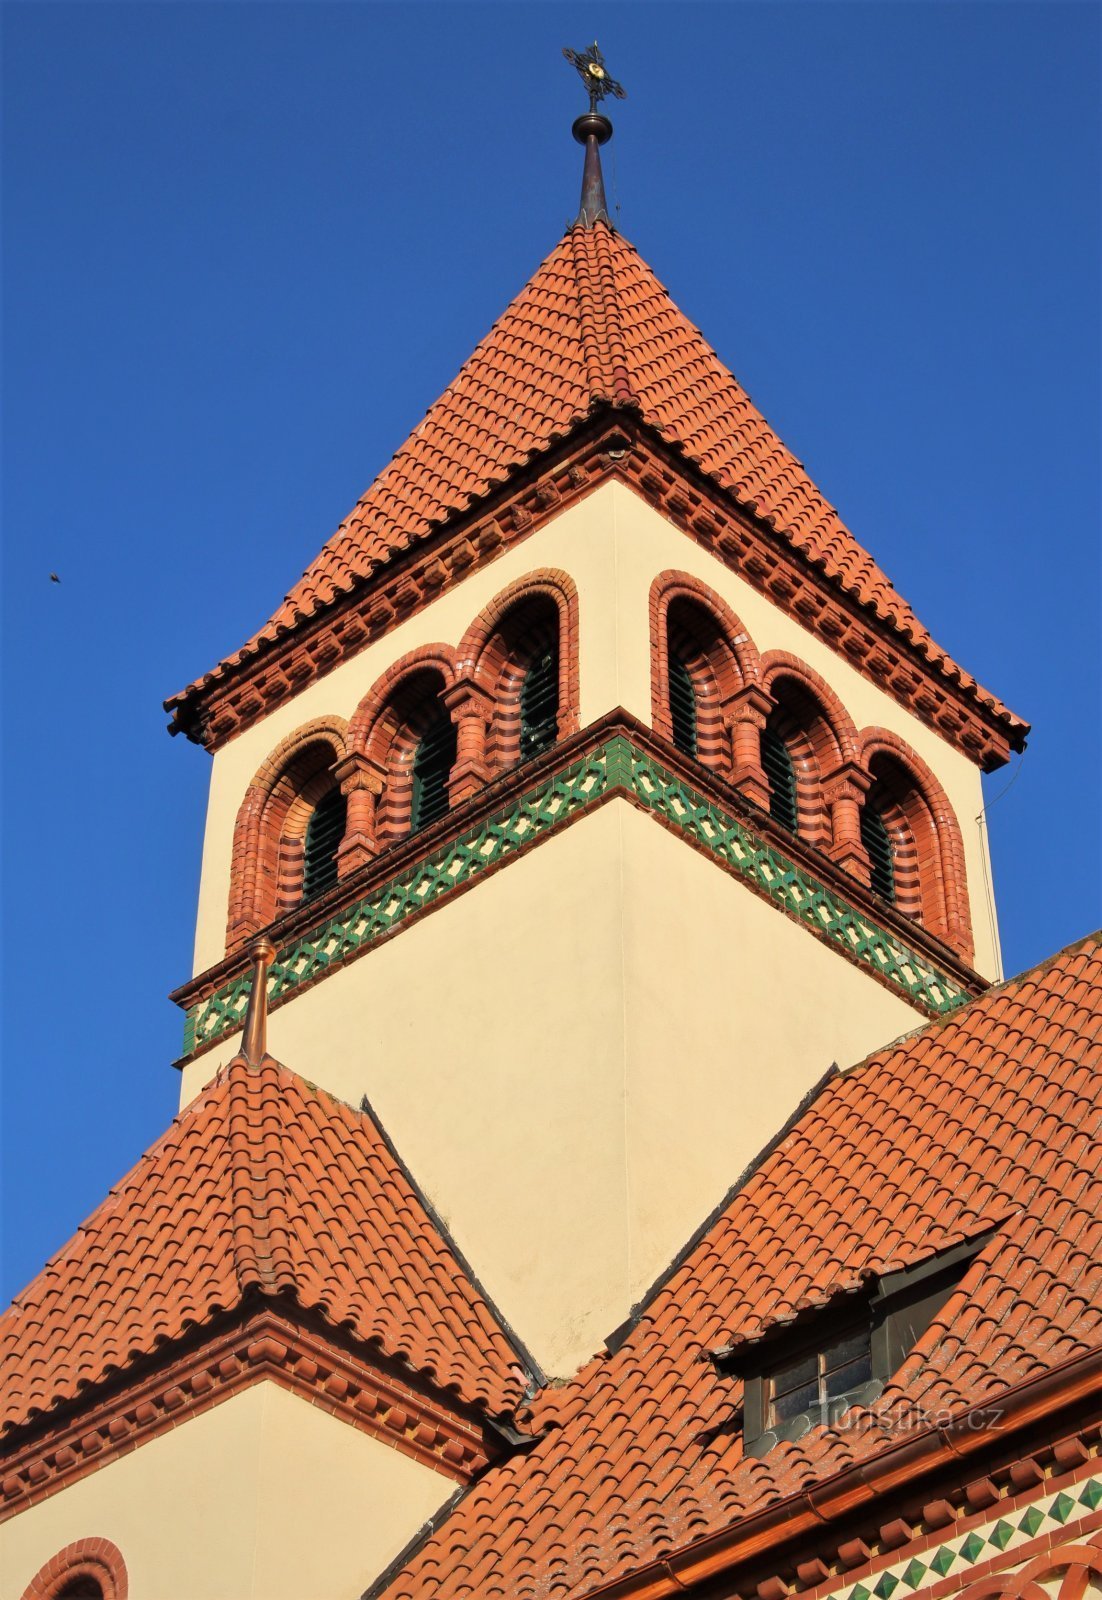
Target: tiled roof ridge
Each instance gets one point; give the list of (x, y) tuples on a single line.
[(593, 326), (260, 1186), (526, 1361), (599, 314), (259, 1225)]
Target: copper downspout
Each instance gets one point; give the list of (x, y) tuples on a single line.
[(254, 1039)]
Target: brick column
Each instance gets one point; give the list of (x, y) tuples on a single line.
[(471, 709), (361, 782), (745, 716), (844, 791)]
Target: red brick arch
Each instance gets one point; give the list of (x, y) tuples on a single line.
[(387, 727), (266, 866), (817, 730), (498, 648), (1077, 1567), (366, 727), (719, 653), (931, 879), (93, 1560)]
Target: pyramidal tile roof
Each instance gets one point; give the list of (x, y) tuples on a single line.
[(593, 327), (992, 1120), (262, 1184)]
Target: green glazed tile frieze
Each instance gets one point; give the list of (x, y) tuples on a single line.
[(958, 1556), (616, 766)]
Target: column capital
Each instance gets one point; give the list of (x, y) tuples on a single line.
[(848, 781), (357, 771), (751, 704), (467, 698)]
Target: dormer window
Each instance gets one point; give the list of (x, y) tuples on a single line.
[(810, 1374), (812, 1381), (324, 832)]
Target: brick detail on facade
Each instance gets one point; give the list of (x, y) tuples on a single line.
[(820, 736), (86, 1561), (740, 692), (1068, 1571), (928, 849), (691, 620), (371, 757), (388, 725), (608, 448), (266, 866), (267, 1345), (499, 648)]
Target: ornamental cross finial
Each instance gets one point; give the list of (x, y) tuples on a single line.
[(594, 74)]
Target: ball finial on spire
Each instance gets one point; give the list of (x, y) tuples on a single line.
[(592, 129)]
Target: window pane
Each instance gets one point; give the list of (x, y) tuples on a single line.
[(795, 1402), (324, 833), (843, 1379), (847, 1348), (796, 1374), (432, 767)]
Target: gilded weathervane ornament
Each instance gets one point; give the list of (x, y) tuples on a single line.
[(593, 129), (594, 74)]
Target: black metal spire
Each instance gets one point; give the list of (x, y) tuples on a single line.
[(592, 129)]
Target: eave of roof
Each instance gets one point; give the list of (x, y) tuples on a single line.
[(592, 329), (262, 1186)]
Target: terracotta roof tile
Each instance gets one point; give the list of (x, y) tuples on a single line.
[(593, 326), (992, 1120), (266, 1184)]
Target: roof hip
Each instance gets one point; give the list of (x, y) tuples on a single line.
[(592, 327)]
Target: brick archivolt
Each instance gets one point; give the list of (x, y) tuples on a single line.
[(266, 865), (86, 1562), (741, 692), (371, 756)]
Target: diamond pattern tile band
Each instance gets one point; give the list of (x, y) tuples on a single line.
[(1046, 1515), (615, 767)]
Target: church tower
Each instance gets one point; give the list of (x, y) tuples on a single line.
[(598, 792), (591, 799)]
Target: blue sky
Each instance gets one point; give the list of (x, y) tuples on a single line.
[(246, 247)]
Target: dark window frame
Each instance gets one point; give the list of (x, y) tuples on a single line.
[(890, 1319), (877, 839), (780, 772)]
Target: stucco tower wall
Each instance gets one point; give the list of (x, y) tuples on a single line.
[(578, 1057), (613, 545)]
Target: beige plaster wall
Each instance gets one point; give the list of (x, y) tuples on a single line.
[(578, 541), (580, 1056), (264, 1497), (646, 544), (613, 544)]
